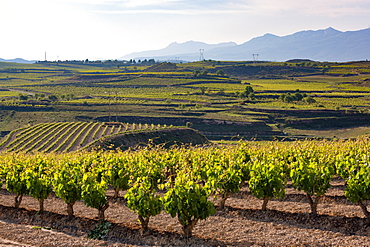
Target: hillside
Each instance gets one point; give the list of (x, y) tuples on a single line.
[(72, 136), (174, 49), (166, 137), (209, 96), (320, 45), (17, 60)]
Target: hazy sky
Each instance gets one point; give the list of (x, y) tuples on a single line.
[(109, 29)]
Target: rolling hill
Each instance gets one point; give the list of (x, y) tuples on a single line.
[(72, 136)]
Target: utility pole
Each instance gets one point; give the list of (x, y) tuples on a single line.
[(255, 58), (109, 105), (201, 56), (116, 106)]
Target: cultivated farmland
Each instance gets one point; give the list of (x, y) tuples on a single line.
[(250, 194), (209, 95), (68, 136), (58, 188)]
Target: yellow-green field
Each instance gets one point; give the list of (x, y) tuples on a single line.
[(187, 92)]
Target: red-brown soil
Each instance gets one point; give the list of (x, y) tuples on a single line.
[(286, 223)]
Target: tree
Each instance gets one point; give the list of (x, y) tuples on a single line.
[(23, 97), (220, 72), (53, 98), (309, 100), (203, 90), (353, 167), (288, 97), (247, 93), (267, 179), (196, 73), (117, 173), (70, 96), (298, 96), (312, 172), (189, 124), (188, 200), (38, 180), (225, 173), (252, 96), (358, 188), (67, 184), (39, 187), (16, 183), (142, 199), (94, 192), (248, 90)]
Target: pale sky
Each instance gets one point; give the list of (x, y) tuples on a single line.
[(110, 29)]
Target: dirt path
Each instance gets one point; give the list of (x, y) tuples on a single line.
[(9, 243), (22, 91), (7, 229), (23, 235)]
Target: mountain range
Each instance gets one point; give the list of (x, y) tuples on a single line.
[(320, 45), (17, 60)]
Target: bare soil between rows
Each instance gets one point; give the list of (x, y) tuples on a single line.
[(287, 222)]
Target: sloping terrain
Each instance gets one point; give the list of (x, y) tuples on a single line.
[(166, 137), (72, 136), (209, 96)]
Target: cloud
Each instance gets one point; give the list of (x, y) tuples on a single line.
[(256, 7), (177, 7), (339, 7), (170, 11), (72, 28), (147, 3), (123, 3), (312, 7), (262, 7)]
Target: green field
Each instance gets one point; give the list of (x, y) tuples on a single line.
[(207, 95)]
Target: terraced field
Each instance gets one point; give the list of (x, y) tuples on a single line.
[(197, 93), (66, 136)]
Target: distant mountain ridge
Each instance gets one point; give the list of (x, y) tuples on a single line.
[(320, 45), (17, 60), (175, 49)]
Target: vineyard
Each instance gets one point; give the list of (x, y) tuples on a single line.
[(67, 136), (336, 100), (58, 189), (196, 185)]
